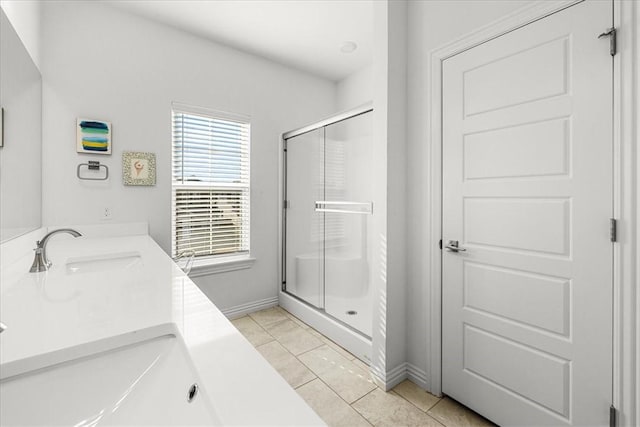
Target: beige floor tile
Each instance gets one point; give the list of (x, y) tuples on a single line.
[(322, 359), (316, 334), (296, 320), (279, 329), (342, 375), (451, 413), (339, 349), (291, 369), (329, 406), (349, 381), (360, 364), (389, 409), (414, 394), (293, 337), (328, 377), (269, 316), (335, 346), (252, 331)]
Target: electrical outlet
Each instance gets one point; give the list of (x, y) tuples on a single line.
[(107, 214)]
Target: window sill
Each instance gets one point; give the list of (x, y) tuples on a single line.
[(213, 266)]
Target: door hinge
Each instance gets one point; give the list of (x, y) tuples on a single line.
[(285, 204), (284, 285), (613, 415), (613, 229), (440, 244), (611, 33)]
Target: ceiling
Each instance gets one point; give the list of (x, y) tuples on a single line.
[(304, 34)]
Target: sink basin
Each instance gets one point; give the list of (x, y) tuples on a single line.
[(142, 384), (105, 262)]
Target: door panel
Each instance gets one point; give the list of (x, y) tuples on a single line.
[(535, 375), (513, 223), (531, 299), (527, 192), (531, 73), (348, 160), (304, 226), (525, 151)]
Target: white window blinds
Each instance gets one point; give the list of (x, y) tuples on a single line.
[(210, 191)]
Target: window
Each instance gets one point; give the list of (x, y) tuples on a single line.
[(210, 186)]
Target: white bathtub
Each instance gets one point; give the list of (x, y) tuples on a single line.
[(142, 384)]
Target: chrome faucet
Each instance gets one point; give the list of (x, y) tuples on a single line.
[(40, 262)]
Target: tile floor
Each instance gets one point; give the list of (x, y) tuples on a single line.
[(337, 385)]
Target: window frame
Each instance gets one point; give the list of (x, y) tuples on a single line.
[(215, 263)]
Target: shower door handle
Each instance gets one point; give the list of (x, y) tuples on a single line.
[(364, 208)]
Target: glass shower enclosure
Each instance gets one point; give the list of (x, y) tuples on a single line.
[(327, 217)]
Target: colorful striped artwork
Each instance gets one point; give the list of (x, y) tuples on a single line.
[(93, 136)]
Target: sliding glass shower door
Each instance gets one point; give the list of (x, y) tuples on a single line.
[(304, 232), (328, 219), (348, 213)]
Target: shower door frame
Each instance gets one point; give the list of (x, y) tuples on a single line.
[(358, 111)]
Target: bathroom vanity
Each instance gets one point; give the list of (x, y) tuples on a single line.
[(115, 333)]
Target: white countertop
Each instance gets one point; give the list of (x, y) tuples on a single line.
[(58, 315)]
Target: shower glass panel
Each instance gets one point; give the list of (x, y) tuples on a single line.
[(304, 226), (328, 219), (348, 216)]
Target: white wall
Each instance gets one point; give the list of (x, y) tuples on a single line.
[(389, 151), (379, 226), (431, 24), (102, 63), (396, 185), (355, 89), (25, 18)]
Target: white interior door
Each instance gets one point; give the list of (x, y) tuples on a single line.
[(527, 193)]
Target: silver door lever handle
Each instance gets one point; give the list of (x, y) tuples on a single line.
[(452, 245)]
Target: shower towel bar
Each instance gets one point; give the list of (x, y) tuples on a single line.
[(367, 207)]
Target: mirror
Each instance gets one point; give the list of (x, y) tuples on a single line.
[(21, 151)]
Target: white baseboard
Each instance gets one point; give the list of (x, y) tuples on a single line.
[(390, 379), (244, 309), (417, 376), (378, 377), (395, 376)]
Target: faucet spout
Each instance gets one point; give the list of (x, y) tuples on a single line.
[(41, 262)]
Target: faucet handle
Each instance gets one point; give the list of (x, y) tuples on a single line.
[(41, 262), (190, 255)]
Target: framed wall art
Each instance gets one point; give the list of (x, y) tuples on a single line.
[(138, 168), (93, 136)]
